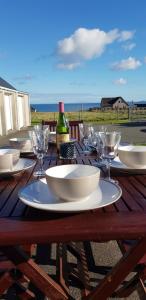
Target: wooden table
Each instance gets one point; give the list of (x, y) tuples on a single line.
[(22, 225)]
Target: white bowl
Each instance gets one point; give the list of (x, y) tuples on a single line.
[(8, 158), (73, 182), (22, 143), (133, 156)]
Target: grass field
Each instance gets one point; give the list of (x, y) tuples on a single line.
[(96, 117)]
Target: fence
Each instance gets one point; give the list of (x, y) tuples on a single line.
[(95, 116)]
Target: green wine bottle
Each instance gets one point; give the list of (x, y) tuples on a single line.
[(62, 128)]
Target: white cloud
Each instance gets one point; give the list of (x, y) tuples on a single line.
[(86, 44), (145, 59), (129, 46), (26, 77), (127, 64), (67, 97), (120, 81), (126, 35), (68, 66)]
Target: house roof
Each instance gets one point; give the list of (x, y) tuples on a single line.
[(111, 101), (5, 84), (140, 104)]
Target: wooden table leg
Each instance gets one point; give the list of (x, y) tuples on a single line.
[(6, 281), (36, 274), (82, 273), (118, 273)]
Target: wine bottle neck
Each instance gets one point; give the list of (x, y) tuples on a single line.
[(61, 107)]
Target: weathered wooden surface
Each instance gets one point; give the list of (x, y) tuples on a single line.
[(125, 219)]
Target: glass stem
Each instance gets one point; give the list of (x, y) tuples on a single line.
[(98, 155), (108, 170), (40, 158)]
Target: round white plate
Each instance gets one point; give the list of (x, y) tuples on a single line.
[(116, 164), (38, 195), (22, 164)]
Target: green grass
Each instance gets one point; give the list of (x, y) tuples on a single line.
[(96, 117)]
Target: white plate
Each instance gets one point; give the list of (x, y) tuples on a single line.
[(22, 164), (38, 195), (116, 164)]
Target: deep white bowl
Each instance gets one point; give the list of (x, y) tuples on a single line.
[(133, 156), (22, 143), (8, 158), (73, 182)]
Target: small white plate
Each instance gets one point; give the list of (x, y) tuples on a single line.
[(116, 164), (22, 164), (38, 195)]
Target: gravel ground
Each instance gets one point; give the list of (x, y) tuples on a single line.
[(106, 253)]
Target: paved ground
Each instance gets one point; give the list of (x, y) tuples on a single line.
[(106, 253), (134, 132)]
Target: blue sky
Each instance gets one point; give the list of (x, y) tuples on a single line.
[(75, 50)]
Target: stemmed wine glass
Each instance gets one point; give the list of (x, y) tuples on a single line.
[(39, 138), (86, 133), (110, 141), (96, 142)]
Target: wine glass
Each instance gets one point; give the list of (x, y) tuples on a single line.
[(86, 133), (98, 145), (39, 138), (110, 142)]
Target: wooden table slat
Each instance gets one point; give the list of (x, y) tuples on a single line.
[(121, 205), (13, 197), (132, 199)]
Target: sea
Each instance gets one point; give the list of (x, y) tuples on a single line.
[(69, 107)]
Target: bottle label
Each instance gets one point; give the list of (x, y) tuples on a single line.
[(62, 138)]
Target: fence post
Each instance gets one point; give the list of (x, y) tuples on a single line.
[(117, 113), (82, 111), (130, 114)]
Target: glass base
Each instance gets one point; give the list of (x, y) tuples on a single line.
[(99, 164), (39, 173), (86, 152), (113, 180), (67, 158)]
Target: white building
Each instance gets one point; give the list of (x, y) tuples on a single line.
[(14, 109)]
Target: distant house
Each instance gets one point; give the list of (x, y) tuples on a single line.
[(115, 103), (140, 105), (14, 108)]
